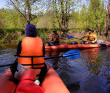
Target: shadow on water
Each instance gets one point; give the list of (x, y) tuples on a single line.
[(88, 74)]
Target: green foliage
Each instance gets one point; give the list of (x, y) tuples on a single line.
[(6, 35), (11, 19), (58, 29), (96, 14), (77, 29), (10, 30), (91, 16), (44, 22), (20, 38)]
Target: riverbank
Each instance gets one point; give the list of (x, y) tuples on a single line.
[(8, 36), (8, 46), (13, 36)]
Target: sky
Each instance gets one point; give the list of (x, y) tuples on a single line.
[(3, 3)]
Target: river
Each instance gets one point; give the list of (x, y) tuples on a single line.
[(88, 74)]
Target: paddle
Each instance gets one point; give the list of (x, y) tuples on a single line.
[(72, 54), (46, 41), (103, 45), (68, 36)]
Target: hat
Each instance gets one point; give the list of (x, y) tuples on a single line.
[(55, 30), (90, 29), (31, 30)]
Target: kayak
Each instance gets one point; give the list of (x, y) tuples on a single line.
[(63, 47), (52, 83)]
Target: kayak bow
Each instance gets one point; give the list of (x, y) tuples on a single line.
[(52, 83)]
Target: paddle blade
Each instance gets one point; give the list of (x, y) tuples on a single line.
[(72, 54), (67, 36), (71, 37), (42, 38), (51, 44), (103, 45)]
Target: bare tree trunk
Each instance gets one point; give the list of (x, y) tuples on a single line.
[(18, 10), (107, 25), (63, 22), (29, 16), (67, 12), (56, 13), (29, 11)]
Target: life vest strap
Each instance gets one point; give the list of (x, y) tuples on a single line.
[(34, 65), (32, 61), (28, 56)]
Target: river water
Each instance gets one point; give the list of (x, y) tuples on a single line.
[(88, 74)]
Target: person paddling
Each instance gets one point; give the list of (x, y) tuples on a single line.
[(91, 37), (30, 61), (55, 39)]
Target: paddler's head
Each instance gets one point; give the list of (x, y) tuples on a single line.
[(55, 31), (90, 30), (31, 30)]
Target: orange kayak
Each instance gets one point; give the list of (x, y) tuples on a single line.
[(63, 47), (52, 83)]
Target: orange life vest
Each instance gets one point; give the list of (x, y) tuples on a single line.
[(31, 53), (53, 38)]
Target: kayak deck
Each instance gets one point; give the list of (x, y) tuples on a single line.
[(52, 82), (6, 85)]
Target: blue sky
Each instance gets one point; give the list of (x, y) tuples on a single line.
[(3, 3)]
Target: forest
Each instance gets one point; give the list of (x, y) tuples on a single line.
[(46, 15)]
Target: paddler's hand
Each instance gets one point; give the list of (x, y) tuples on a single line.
[(46, 41), (80, 39), (93, 42)]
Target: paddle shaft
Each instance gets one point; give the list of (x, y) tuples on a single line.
[(34, 56), (47, 41), (72, 54)]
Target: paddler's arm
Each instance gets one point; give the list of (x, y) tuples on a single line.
[(82, 37), (95, 39), (53, 40), (43, 49), (19, 48)]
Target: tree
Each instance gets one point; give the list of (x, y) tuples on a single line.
[(83, 17), (96, 14), (62, 10), (2, 24), (11, 19), (25, 8), (107, 20)]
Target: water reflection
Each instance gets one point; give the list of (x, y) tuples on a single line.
[(88, 74), (54, 62)]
